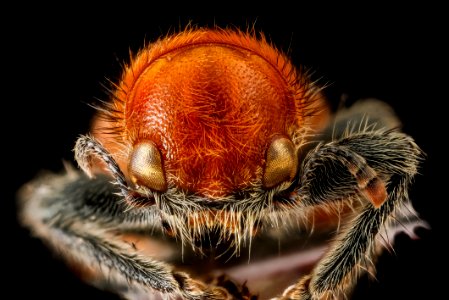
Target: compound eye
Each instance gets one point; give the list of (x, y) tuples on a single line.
[(145, 167), (281, 162)]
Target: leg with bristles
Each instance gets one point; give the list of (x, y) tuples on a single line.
[(80, 217), (373, 167)]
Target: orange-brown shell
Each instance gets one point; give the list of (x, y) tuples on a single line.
[(211, 100)]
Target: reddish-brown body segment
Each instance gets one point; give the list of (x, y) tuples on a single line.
[(211, 100)]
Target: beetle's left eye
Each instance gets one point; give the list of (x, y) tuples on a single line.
[(145, 167), (281, 162)]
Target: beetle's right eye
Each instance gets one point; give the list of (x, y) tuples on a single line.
[(281, 162), (145, 167)]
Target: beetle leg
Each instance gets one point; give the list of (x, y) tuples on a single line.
[(374, 167), (78, 216)]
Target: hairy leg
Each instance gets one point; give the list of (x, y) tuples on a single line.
[(78, 217), (372, 167)]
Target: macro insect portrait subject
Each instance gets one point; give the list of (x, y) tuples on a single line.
[(217, 171)]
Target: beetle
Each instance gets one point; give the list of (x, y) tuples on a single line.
[(215, 157)]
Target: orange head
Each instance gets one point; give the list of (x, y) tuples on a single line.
[(208, 111)]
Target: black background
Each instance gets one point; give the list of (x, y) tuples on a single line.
[(54, 65)]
